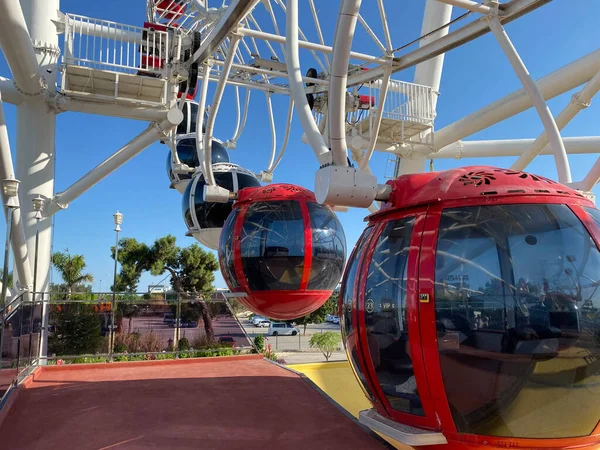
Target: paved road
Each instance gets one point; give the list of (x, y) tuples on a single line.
[(299, 342), (222, 326)]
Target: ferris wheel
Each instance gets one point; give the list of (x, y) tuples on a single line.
[(283, 249)]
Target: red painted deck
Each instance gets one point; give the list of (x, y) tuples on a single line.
[(221, 403)]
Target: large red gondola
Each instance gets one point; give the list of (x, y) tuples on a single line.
[(471, 307), (283, 249)]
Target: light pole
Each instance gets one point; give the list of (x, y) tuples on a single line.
[(38, 205), (10, 189), (118, 218)]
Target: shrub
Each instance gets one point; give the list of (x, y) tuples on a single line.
[(259, 343), (327, 342), (183, 344), (77, 330), (151, 343), (202, 342)]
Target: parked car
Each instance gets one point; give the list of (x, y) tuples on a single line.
[(169, 319), (264, 323), (257, 319), (282, 329), (227, 341), (335, 319), (329, 318)]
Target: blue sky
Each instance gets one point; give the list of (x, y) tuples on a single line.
[(474, 75)]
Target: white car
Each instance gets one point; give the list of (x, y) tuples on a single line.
[(282, 329), (263, 323), (329, 318), (335, 319), (256, 319)]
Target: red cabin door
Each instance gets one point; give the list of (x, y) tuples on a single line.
[(389, 321)]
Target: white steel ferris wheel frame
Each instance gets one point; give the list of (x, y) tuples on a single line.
[(29, 40)]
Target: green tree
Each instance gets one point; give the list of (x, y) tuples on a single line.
[(71, 270), (10, 276), (319, 315), (76, 330), (327, 342), (191, 269), (134, 258)]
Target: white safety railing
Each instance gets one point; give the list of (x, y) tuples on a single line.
[(105, 45), (182, 14), (405, 101)]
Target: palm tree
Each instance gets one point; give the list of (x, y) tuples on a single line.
[(71, 269)]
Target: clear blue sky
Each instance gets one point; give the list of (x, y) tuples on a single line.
[(474, 75)]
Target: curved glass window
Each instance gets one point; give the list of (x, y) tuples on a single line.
[(594, 214), (226, 252), (185, 207), (348, 295), (213, 215), (186, 127), (273, 246), (328, 248), (246, 181), (386, 319), (188, 154), (517, 296)]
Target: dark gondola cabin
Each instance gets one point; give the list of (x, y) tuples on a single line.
[(204, 219)]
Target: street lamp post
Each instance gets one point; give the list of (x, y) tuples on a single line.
[(38, 205), (118, 218), (10, 188)]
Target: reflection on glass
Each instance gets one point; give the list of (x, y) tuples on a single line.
[(187, 153), (329, 248), (347, 294), (213, 215), (227, 250), (273, 246), (518, 318), (385, 317)]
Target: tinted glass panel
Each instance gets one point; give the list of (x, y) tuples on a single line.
[(594, 214), (183, 127), (218, 153), (385, 317), (185, 206), (518, 319), (273, 246), (329, 248), (213, 215), (226, 247), (347, 294), (245, 181)]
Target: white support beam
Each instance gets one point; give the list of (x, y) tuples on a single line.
[(468, 4), (505, 147), (152, 134), (10, 94), (469, 32), (310, 45), (18, 49), (428, 73), (132, 111), (579, 101), (592, 178), (536, 97), (552, 85), (18, 241), (229, 21), (336, 105)]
